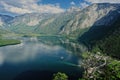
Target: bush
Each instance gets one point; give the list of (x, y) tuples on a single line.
[(60, 76)]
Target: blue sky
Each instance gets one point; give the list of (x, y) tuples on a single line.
[(63, 3), (18, 7)]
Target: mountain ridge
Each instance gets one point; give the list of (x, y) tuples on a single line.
[(73, 23), (5, 19)]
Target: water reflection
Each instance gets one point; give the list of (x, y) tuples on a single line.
[(71, 46), (43, 53), (28, 51)]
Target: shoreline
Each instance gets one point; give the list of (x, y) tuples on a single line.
[(8, 42)]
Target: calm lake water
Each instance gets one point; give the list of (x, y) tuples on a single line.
[(39, 58)]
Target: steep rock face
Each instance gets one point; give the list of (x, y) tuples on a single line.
[(55, 24), (94, 15), (73, 22), (106, 39), (102, 32), (27, 23), (40, 23), (29, 19)]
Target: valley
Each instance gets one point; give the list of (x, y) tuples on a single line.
[(76, 40)]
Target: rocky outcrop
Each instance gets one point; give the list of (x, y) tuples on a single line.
[(94, 15)]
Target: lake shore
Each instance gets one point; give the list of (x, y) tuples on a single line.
[(6, 42)]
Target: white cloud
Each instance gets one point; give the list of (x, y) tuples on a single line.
[(103, 1), (14, 9), (87, 2), (83, 5), (72, 3), (29, 6)]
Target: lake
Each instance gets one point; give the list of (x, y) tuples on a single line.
[(39, 58)]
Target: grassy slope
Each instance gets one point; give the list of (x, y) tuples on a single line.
[(4, 42)]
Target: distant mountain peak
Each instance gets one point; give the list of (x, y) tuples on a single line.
[(105, 5), (73, 8), (70, 22)]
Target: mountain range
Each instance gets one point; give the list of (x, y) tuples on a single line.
[(89, 25), (5, 19), (72, 22)]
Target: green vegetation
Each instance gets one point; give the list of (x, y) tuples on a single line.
[(30, 35), (60, 76), (102, 60), (111, 45), (4, 42), (47, 25), (107, 39), (100, 67), (78, 32), (5, 36), (106, 65), (96, 67)]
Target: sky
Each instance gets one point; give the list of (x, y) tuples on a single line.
[(18, 7)]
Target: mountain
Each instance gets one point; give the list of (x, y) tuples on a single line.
[(5, 19), (94, 15), (26, 23), (97, 24), (74, 22), (102, 26), (73, 9), (106, 37), (40, 23), (109, 43)]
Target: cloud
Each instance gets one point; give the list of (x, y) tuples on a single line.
[(103, 1), (14, 9), (28, 6), (84, 4), (26, 53), (72, 3)]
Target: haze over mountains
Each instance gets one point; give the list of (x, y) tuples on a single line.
[(74, 22), (4, 19)]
